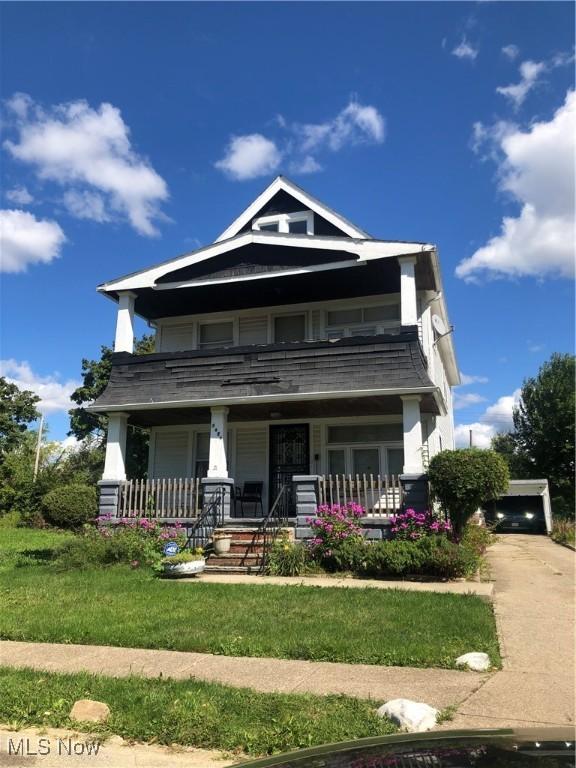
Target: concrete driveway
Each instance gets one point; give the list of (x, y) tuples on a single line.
[(534, 606)]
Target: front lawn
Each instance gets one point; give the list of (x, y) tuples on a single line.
[(124, 607), (28, 546), (189, 712)]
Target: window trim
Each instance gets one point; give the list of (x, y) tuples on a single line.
[(284, 219), (233, 321)]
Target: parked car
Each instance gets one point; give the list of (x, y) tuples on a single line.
[(537, 748), (522, 514)]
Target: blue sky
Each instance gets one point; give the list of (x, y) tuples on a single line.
[(450, 123)]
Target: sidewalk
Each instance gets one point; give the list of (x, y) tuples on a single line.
[(534, 607), (483, 589), (438, 687)]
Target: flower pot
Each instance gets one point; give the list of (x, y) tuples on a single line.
[(222, 544), (190, 568)]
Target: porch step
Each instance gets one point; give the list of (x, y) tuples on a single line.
[(231, 569), (236, 559)]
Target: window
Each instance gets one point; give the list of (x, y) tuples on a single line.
[(365, 449), (201, 454), (215, 335), (361, 321), (298, 223), (289, 328)]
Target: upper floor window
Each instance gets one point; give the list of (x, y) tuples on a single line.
[(299, 223), (361, 321), (289, 328), (215, 335)]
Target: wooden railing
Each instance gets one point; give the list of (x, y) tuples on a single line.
[(168, 498), (380, 495)]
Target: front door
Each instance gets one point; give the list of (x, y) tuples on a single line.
[(289, 455)]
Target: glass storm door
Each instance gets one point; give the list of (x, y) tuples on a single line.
[(289, 455)]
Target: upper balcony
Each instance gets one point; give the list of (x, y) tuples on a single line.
[(360, 374)]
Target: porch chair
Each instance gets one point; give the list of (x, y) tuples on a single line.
[(250, 494)]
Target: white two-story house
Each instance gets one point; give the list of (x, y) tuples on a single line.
[(295, 344)]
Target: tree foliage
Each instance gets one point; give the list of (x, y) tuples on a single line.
[(83, 423), (465, 479), (17, 411), (544, 425)]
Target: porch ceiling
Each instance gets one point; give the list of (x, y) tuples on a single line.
[(390, 405)]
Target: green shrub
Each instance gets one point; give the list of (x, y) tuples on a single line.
[(443, 559), (287, 558), (187, 556), (392, 558), (564, 532), (350, 555), (11, 519), (477, 538), (70, 506), (465, 479), (133, 541)]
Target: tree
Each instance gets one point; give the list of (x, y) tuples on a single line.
[(465, 479), (17, 410), (83, 423), (518, 464), (544, 425)]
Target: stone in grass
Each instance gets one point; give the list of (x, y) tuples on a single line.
[(411, 716), (89, 711), (479, 662)]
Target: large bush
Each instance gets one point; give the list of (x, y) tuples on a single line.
[(465, 479), (433, 557), (334, 529), (130, 541), (70, 506)]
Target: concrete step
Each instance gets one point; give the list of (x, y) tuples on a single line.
[(236, 559), (231, 569)]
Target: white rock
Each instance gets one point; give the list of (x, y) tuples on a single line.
[(479, 662), (89, 711), (412, 716)]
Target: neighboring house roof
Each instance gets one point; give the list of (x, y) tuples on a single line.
[(281, 183), (384, 365)]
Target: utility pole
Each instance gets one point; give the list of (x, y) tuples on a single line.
[(38, 446), (471, 444)]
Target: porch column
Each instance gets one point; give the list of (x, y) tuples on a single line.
[(408, 305), (124, 341), (217, 465), (412, 434), (115, 461)]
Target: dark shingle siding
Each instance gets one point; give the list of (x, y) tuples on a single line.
[(343, 366)]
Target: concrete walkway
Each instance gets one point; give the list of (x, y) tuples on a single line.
[(438, 687), (483, 589), (534, 607)]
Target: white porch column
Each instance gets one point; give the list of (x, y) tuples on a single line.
[(412, 435), (408, 305), (115, 461), (124, 341), (217, 466)]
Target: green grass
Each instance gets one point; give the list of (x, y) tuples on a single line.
[(122, 607), (28, 546), (189, 712)]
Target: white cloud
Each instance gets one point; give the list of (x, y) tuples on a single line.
[(496, 418), (253, 155), (86, 205), (19, 196), (54, 395), (248, 157), (530, 75), (465, 50), (464, 399), (355, 124), (511, 51), (85, 149), (306, 165), (25, 240), (536, 170), (70, 443), (468, 379), (530, 71)]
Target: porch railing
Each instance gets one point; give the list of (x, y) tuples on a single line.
[(171, 498), (210, 518), (380, 495), (271, 525)]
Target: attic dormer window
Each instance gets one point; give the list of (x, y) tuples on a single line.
[(299, 223)]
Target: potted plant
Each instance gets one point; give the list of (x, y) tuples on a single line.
[(221, 543), (187, 563)]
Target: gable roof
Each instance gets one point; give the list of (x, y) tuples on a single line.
[(281, 183)]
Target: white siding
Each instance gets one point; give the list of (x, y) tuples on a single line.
[(315, 331), (176, 338), (252, 456), (171, 454), (253, 330)]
